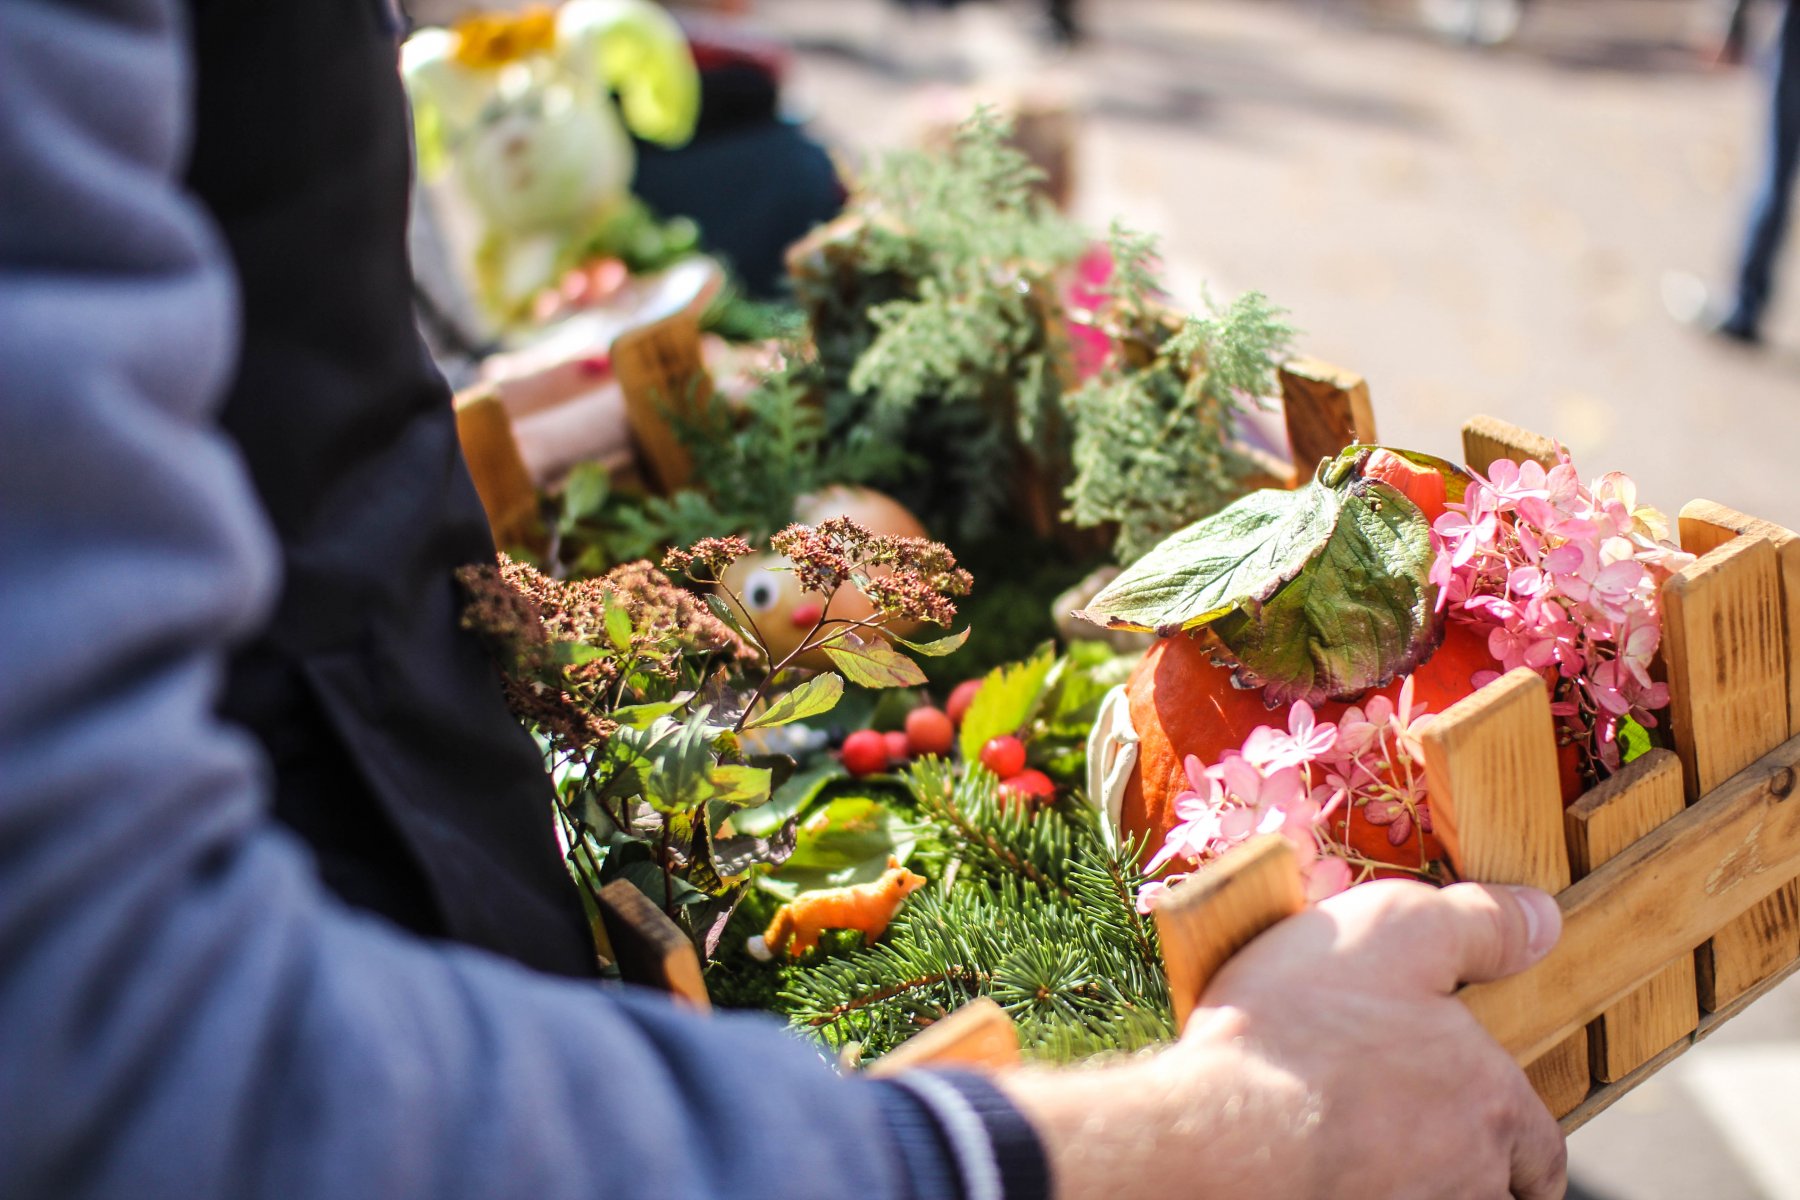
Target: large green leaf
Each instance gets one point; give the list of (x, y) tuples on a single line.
[(683, 763), (847, 841), (618, 622), (1007, 699), (1357, 616), (817, 695), (937, 649), (1235, 557), (642, 716), (873, 663), (790, 799), (738, 786)]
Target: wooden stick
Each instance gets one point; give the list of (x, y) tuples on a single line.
[(507, 495), (650, 948), (979, 1034), (1488, 438), (1214, 913), (1601, 825), (660, 367), (1496, 803), (1327, 408), (1728, 684), (1660, 897)]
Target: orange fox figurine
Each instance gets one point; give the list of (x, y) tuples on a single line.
[(865, 907)]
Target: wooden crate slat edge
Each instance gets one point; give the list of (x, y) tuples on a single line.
[(1663, 896), (1606, 1095)]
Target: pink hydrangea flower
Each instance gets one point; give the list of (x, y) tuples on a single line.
[(1564, 578)]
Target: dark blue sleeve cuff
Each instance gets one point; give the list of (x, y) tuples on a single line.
[(962, 1139)]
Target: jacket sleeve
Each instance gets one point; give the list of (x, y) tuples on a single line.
[(183, 1012)]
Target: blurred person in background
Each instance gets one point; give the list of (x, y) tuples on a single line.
[(1740, 316), (196, 1003)]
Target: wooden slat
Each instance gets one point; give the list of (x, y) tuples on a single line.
[(1660, 897), (1214, 913), (1600, 825), (650, 948), (1327, 408), (1488, 438), (661, 369), (485, 432), (979, 1034), (1727, 666), (1706, 526), (1496, 803), (1603, 1098)]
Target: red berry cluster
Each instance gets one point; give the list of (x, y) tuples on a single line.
[(932, 730)]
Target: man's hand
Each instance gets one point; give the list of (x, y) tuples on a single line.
[(1329, 1060)]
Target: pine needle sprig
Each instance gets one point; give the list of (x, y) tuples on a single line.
[(999, 840)]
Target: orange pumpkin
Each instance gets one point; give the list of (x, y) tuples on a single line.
[(1182, 704)]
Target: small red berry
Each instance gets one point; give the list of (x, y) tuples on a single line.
[(929, 731), (960, 698), (1032, 785), (1004, 756), (898, 750), (865, 752)]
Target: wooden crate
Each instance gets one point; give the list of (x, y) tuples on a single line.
[(1678, 877)]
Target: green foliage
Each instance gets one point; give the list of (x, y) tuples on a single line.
[(936, 325), (760, 456), (1151, 431), (1008, 696), (1040, 916)]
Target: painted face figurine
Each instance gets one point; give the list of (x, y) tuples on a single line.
[(520, 107), (783, 614)]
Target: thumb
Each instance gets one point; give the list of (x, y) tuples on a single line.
[(1494, 930)]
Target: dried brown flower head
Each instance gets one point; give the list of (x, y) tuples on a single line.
[(705, 561), (903, 577), (527, 616)]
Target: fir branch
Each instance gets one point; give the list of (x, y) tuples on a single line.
[(892, 990), (1152, 430), (991, 835)]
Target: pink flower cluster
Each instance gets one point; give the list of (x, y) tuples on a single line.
[(1565, 578), (1307, 783)]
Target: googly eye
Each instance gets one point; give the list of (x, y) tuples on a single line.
[(761, 591)]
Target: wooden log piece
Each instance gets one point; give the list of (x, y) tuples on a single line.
[(1327, 408), (650, 948), (979, 1034), (1496, 804), (1214, 913), (661, 369), (509, 498), (1488, 438), (1728, 685), (1600, 825)]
